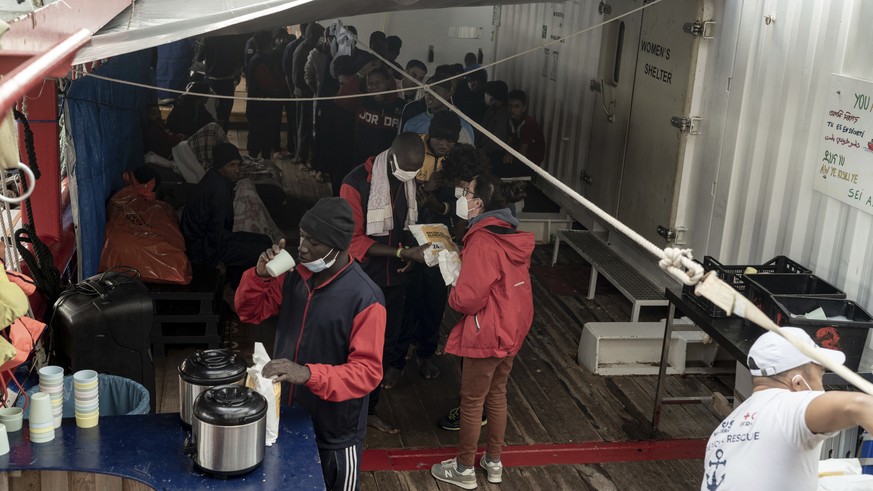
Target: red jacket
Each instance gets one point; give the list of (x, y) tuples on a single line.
[(493, 291)]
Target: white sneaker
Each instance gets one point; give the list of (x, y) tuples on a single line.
[(494, 470), (447, 471)]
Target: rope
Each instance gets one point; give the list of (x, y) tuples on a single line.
[(41, 267)]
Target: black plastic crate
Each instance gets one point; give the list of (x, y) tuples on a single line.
[(761, 287), (848, 336), (732, 274)]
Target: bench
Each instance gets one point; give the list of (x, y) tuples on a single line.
[(641, 291), (634, 348), (188, 314)]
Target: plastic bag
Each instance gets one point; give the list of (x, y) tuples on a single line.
[(439, 237), (450, 266), (272, 391), (143, 233)]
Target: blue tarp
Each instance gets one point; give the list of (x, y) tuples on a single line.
[(172, 67), (118, 396), (106, 120)]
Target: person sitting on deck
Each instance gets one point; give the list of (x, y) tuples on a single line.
[(190, 113), (493, 292), (525, 136), (782, 425), (207, 220), (335, 365), (421, 122)]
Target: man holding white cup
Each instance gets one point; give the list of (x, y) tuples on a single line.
[(329, 335)]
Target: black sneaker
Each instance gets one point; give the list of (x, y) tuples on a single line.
[(452, 420)]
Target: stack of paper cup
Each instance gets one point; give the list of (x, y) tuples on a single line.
[(11, 417), (85, 384), (51, 381), (42, 425)]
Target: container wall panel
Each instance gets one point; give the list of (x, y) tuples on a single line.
[(557, 85)]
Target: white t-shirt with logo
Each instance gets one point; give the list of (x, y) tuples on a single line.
[(765, 445)]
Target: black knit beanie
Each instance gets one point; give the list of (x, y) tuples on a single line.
[(224, 153), (445, 125), (330, 222)]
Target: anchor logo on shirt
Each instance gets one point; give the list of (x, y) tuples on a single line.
[(713, 483)]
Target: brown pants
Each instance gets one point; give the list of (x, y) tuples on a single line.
[(483, 383)]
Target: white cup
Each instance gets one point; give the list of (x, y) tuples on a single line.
[(281, 263), (4, 440), (12, 418), (40, 408)]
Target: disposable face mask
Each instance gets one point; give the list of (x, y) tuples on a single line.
[(462, 208), (400, 174), (319, 265), (459, 192), (801, 378)]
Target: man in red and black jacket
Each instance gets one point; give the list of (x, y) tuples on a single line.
[(381, 252), (329, 335)]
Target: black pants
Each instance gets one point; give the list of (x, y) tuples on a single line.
[(260, 139), (304, 131), (394, 299), (426, 295), (242, 253), (224, 106), (342, 467)]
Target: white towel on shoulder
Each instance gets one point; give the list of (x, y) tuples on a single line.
[(380, 213)]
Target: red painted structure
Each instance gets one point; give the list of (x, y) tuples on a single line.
[(541, 454)]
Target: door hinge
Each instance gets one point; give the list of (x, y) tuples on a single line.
[(586, 178), (604, 8), (667, 233), (594, 86), (700, 29), (687, 125)]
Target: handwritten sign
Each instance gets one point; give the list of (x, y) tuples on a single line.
[(844, 162)]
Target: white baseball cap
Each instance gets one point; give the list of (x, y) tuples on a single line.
[(772, 354)]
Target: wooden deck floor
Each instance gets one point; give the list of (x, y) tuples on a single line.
[(552, 399)]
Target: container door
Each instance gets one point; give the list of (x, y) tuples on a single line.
[(613, 88), (666, 64)]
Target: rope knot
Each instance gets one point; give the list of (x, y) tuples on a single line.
[(681, 265)]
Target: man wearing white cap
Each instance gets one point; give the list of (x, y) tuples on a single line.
[(773, 439)]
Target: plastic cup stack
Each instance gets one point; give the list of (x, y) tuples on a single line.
[(42, 425), (85, 386), (11, 417), (51, 381)]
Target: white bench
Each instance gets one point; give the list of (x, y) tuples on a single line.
[(634, 348), (604, 260)]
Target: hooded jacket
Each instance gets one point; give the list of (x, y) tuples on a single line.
[(337, 330), (493, 291)]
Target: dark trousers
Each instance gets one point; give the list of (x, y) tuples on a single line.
[(342, 467), (304, 131), (224, 106), (394, 299), (242, 253), (260, 138), (291, 125), (426, 296)]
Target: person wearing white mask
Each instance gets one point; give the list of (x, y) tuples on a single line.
[(381, 193), (493, 292), (329, 336), (781, 426)]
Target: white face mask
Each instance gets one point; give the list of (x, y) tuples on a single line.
[(488, 99), (319, 265), (801, 378), (462, 208), (400, 174)]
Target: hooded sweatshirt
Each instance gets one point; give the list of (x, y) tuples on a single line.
[(493, 290)]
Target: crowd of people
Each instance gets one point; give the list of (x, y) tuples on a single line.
[(363, 295)]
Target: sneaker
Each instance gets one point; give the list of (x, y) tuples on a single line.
[(447, 471), (494, 470), (452, 420)]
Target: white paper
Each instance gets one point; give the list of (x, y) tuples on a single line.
[(267, 388), (817, 314)]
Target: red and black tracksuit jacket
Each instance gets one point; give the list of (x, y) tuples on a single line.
[(356, 190), (337, 330)]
